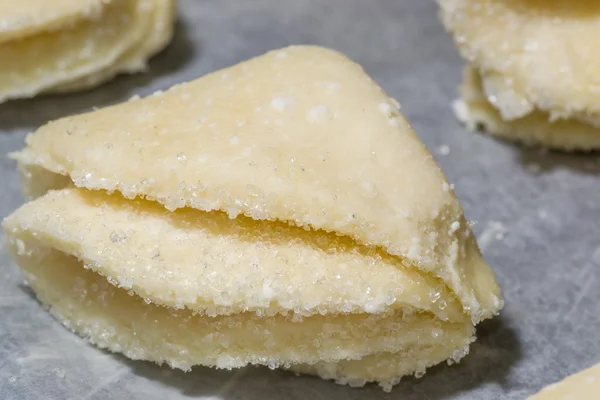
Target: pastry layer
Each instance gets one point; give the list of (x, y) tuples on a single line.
[(300, 135), (350, 347)]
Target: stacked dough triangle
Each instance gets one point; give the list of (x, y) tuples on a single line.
[(280, 212), (67, 45)]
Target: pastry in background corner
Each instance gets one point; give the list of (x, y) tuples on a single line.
[(280, 212), (584, 385), (69, 45), (533, 69)]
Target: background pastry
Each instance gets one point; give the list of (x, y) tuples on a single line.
[(82, 46), (583, 385), (536, 62)]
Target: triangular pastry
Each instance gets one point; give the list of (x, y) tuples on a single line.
[(537, 62), (278, 212), (123, 35)]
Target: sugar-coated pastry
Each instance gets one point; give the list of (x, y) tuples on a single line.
[(92, 45), (279, 212), (537, 62), (536, 129)]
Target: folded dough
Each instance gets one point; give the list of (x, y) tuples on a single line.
[(88, 51), (279, 212), (584, 385), (475, 111), (535, 59)]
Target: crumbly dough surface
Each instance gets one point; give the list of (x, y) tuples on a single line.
[(532, 54), (584, 385), (477, 113), (120, 37), (279, 212)]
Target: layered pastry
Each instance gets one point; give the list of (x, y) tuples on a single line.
[(279, 212), (532, 73), (69, 45)]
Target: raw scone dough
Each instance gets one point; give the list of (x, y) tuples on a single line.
[(476, 112), (280, 212), (86, 52), (536, 60), (584, 385)]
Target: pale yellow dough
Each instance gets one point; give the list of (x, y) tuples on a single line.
[(141, 239), (386, 343), (476, 112), (537, 54), (537, 66), (584, 385), (121, 38), (21, 18), (279, 212)]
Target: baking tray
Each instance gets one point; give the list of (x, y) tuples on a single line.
[(537, 217)]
